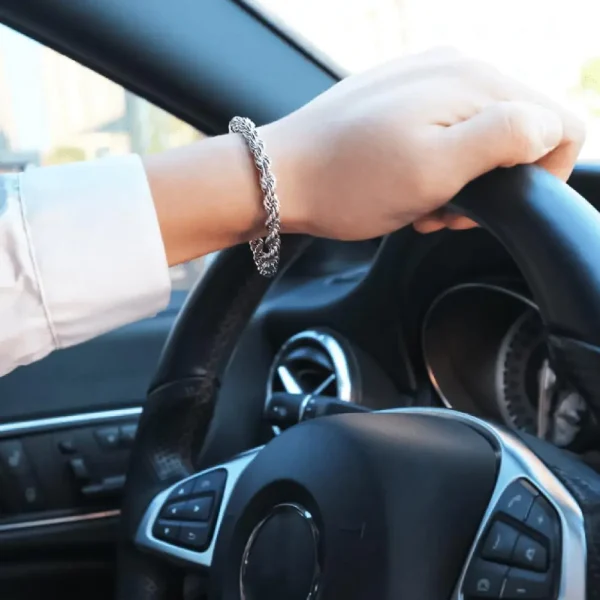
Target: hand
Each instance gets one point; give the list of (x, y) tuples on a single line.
[(374, 153), (391, 146)]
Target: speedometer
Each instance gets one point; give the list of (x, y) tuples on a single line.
[(522, 359), (485, 352)]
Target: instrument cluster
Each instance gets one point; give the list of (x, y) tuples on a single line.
[(485, 353)]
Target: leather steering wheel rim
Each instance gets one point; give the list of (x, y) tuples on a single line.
[(552, 233)]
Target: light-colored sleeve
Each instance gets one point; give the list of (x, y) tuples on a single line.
[(80, 254)]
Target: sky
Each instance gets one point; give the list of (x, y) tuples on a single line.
[(23, 82), (543, 42)]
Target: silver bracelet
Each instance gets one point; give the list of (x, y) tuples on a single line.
[(265, 251)]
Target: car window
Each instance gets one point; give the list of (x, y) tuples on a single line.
[(55, 111), (551, 44)]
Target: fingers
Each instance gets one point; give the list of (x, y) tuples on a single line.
[(561, 161), (458, 222), (505, 134), (429, 224), (441, 219)]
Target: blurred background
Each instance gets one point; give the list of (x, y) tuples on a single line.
[(553, 45), (53, 110)]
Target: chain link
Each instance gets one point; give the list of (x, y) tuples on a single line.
[(265, 251)]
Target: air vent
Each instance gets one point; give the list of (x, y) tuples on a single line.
[(312, 362)]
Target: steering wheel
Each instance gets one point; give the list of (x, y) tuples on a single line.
[(412, 504)]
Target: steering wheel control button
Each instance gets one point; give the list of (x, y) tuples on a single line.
[(174, 511), (500, 542), (543, 518), (484, 580), (525, 584), (517, 500), (194, 536), (198, 509), (108, 438), (214, 482), (183, 490), (530, 554), (168, 532)]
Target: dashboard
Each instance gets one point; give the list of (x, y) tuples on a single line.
[(440, 320)]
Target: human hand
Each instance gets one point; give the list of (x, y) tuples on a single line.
[(391, 146)]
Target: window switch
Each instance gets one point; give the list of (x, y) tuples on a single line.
[(67, 446), (14, 459), (127, 435), (32, 498), (79, 469), (108, 438)]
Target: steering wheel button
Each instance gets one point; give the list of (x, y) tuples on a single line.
[(528, 585), (500, 542), (517, 500), (199, 509), (167, 532), (543, 518), (484, 579), (182, 490), (530, 554), (174, 511), (194, 536), (214, 482)]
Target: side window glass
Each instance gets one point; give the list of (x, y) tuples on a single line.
[(55, 111)]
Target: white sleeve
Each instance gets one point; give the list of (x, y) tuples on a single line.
[(80, 254)]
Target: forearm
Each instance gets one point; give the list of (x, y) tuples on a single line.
[(206, 196)]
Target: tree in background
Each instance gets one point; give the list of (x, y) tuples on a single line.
[(590, 75), (63, 155), (590, 84)]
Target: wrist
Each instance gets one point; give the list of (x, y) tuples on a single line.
[(208, 196), (289, 175)]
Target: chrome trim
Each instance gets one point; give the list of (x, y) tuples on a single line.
[(145, 538), (53, 423), (457, 288), (341, 367), (72, 519), (305, 514), (288, 380), (518, 461)]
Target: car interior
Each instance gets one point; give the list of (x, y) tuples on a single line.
[(415, 416)]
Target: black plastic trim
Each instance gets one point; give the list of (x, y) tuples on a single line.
[(201, 61)]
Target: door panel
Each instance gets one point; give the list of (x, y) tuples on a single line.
[(112, 371), (67, 422)]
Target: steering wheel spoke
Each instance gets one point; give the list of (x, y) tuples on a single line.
[(531, 543), (182, 522)]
